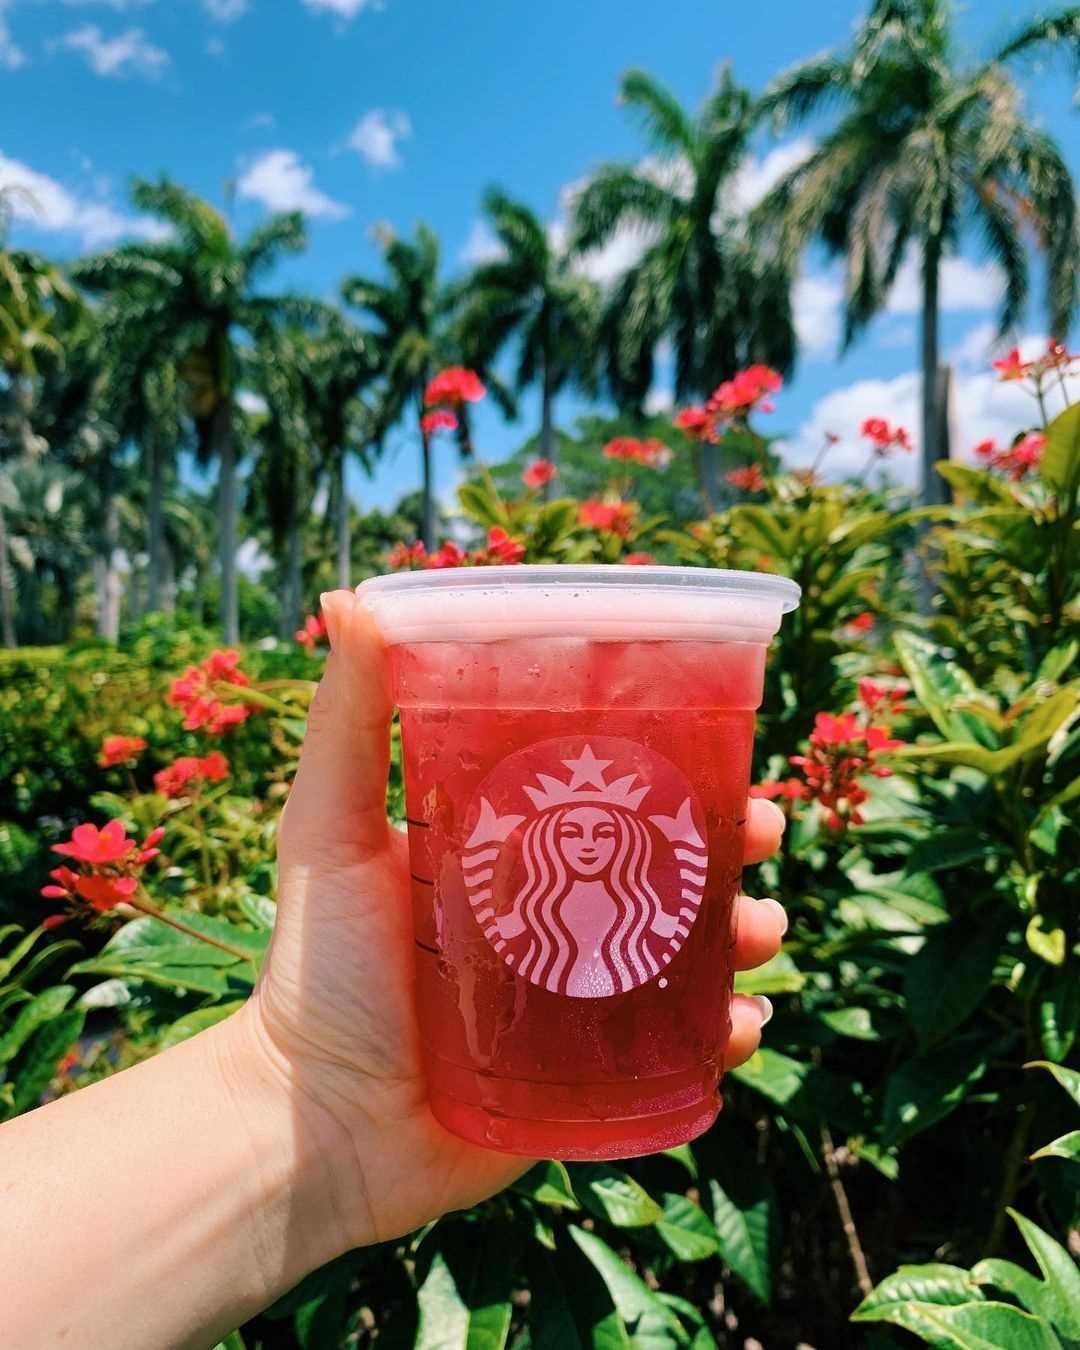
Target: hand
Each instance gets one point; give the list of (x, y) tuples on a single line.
[(331, 1024)]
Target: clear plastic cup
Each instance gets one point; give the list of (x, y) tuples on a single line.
[(577, 746)]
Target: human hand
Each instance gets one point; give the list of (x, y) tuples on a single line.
[(331, 1025)]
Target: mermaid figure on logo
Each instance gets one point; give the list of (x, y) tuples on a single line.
[(587, 920)]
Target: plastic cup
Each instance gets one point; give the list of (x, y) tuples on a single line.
[(576, 746)]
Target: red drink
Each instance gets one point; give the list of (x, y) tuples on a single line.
[(576, 805)]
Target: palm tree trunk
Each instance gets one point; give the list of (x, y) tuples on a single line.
[(344, 541), (155, 525), (548, 447), (225, 449), (429, 492), (7, 588), (106, 578), (931, 421)]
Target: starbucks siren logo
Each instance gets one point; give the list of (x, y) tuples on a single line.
[(578, 886)]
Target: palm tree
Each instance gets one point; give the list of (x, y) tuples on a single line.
[(186, 299), (703, 280), (531, 294), (408, 310), (923, 148), (36, 302)]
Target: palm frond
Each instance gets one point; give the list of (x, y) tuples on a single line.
[(616, 196), (282, 233), (805, 89), (664, 120), (191, 215), (519, 230), (1057, 33), (1005, 246)]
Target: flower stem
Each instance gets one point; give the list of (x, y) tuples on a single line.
[(146, 906), (847, 1220)]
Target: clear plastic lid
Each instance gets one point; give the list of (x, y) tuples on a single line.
[(607, 603)]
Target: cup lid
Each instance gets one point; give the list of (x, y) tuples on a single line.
[(605, 602)]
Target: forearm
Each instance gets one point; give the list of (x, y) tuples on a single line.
[(176, 1199)]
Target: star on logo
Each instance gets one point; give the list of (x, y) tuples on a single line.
[(587, 769)]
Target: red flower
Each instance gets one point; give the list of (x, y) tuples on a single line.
[(1024, 455), (538, 473), (404, 556), (1011, 367), (192, 692), (861, 623), (639, 559), (790, 790), (877, 698), (440, 420), (748, 478), (189, 770), (313, 631), (103, 893), (696, 422), (454, 386), (120, 750), (53, 920), (884, 436), (447, 556), (214, 767), (501, 548), (745, 391), (90, 845), (615, 517), (653, 454), (842, 749)]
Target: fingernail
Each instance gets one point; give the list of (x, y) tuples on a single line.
[(765, 1007), (781, 911), (330, 615)]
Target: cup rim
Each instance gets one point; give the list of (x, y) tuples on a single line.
[(764, 586)]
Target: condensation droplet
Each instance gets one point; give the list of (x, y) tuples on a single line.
[(662, 983)]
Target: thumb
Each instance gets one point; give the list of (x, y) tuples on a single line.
[(336, 812)]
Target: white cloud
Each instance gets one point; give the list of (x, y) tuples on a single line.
[(41, 201), (118, 5), (225, 11), (756, 176), (215, 48), (11, 54), (251, 402), (283, 182), (983, 408), (344, 9), (659, 400), (963, 286), (128, 52), (261, 121), (977, 347), (376, 137), (481, 246), (816, 299), (897, 337)]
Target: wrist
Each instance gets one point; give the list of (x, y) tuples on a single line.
[(299, 1186)]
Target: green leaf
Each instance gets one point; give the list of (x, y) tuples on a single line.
[(1059, 1272), (938, 684), (977, 485), (970, 1326), (1068, 1078), (32, 1015), (233, 1341), (147, 949), (778, 976), (948, 848), (1058, 1013), (1047, 943), (682, 1153), (1012, 1279), (805, 1092), (613, 1195), (1057, 661), (925, 1090), (932, 1283), (687, 1229), (1066, 1146), (548, 1183), (886, 1161), (947, 980), (635, 1301), (44, 1052), (1059, 467), (464, 1294), (319, 1282), (323, 1323), (743, 1232), (193, 1022), (570, 1307), (854, 1022)]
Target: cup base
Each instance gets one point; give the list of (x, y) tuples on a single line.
[(576, 1140)]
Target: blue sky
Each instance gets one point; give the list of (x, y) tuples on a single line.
[(360, 112)]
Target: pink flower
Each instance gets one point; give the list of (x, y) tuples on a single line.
[(120, 750), (745, 391), (653, 454), (876, 698), (103, 893), (1019, 459), (193, 693), (454, 386), (639, 560), (1011, 367), (191, 771), (697, 423), (501, 548), (447, 556), (110, 864), (748, 478), (313, 631), (615, 517), (538, 473), (440, 420), (861, 623)]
